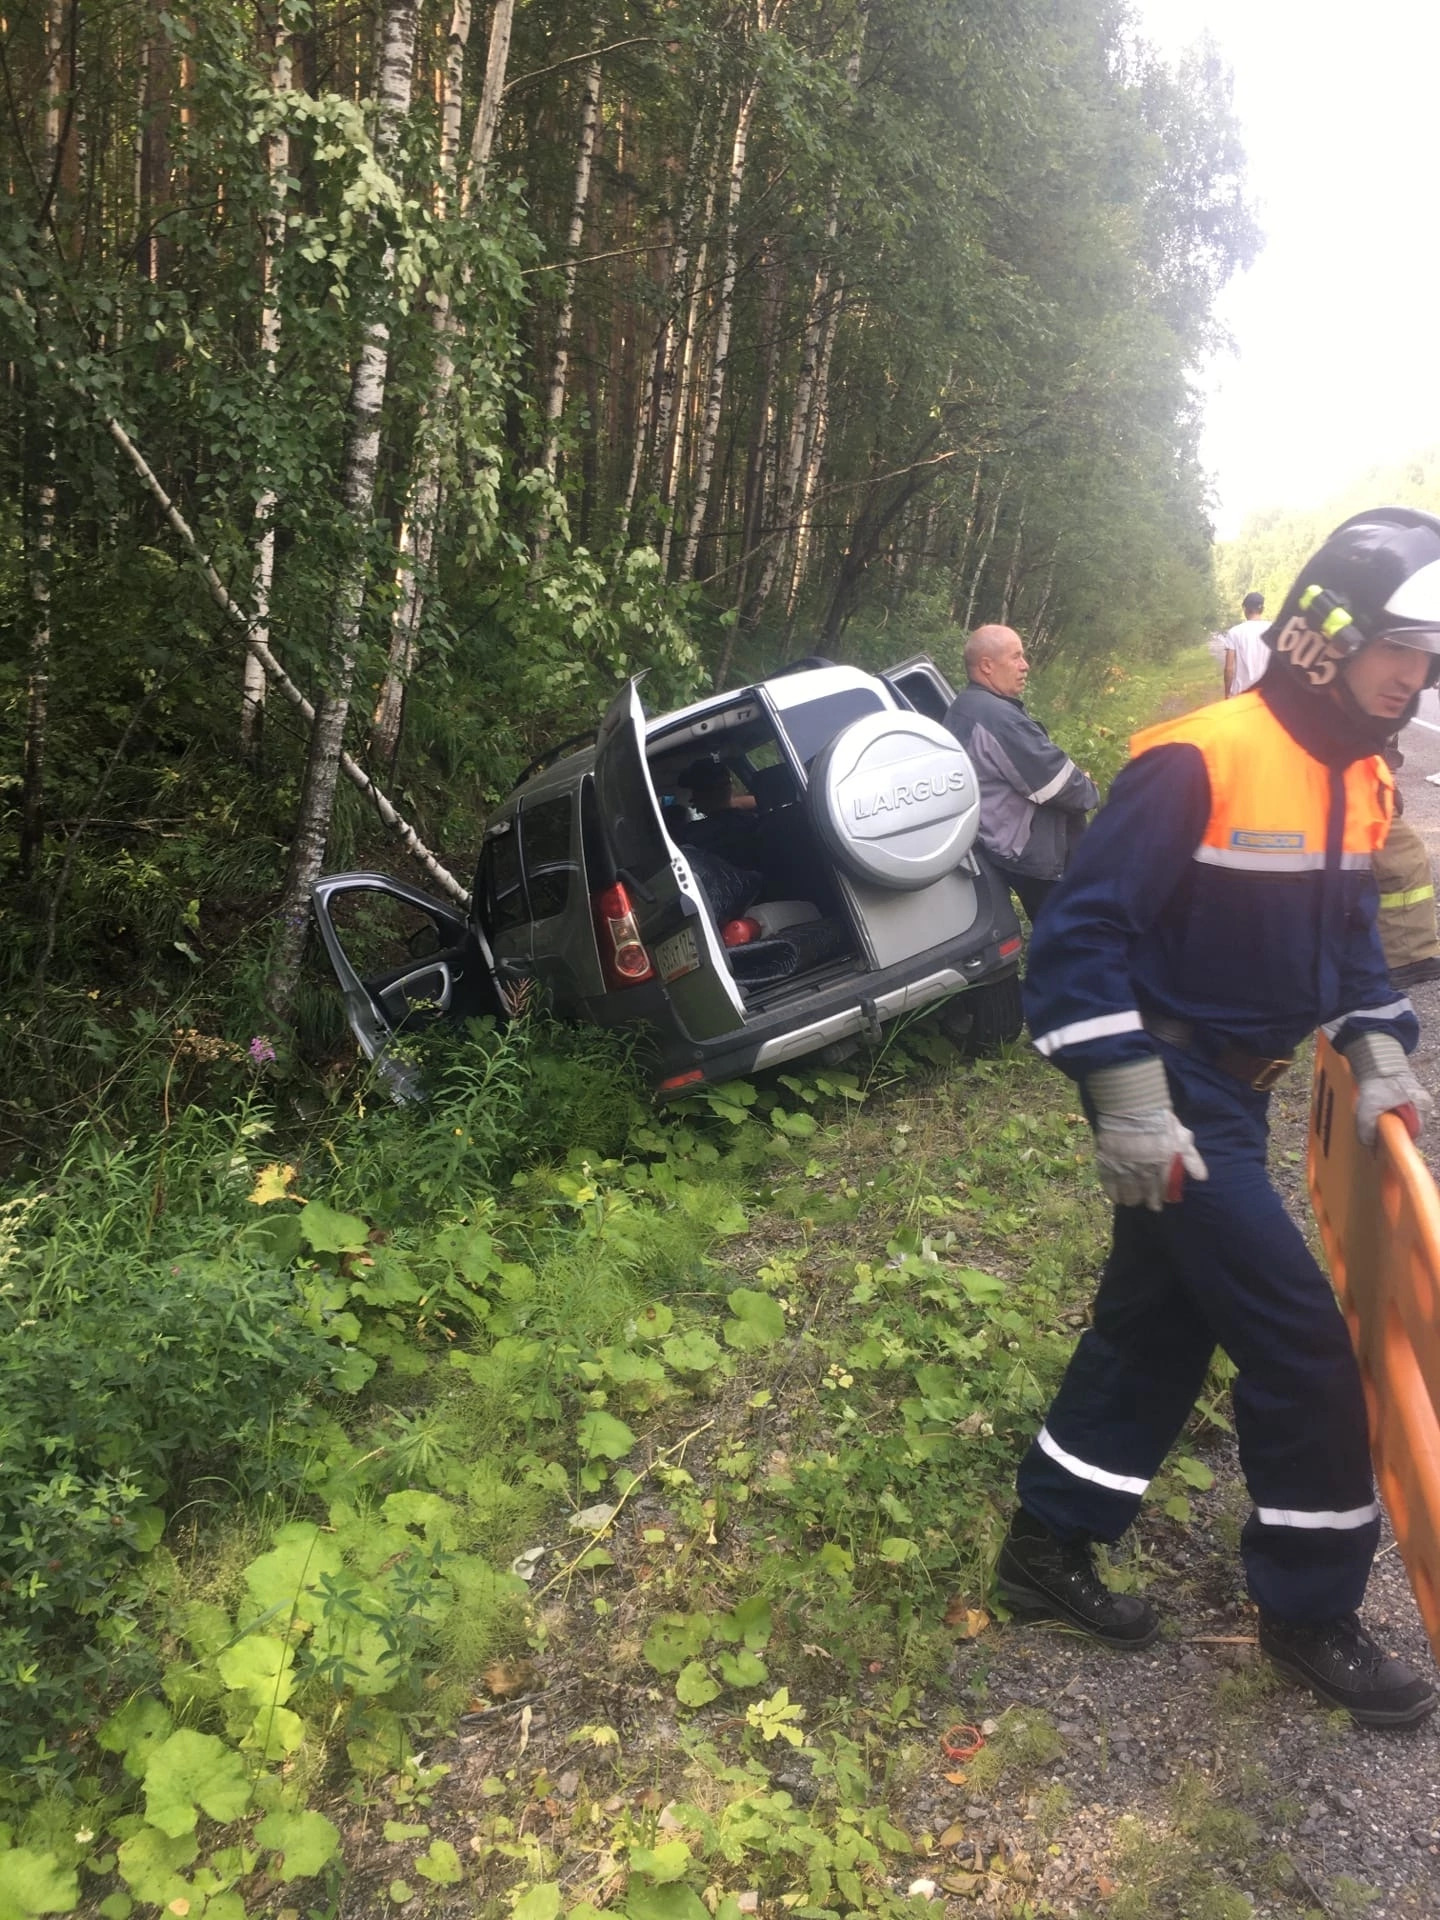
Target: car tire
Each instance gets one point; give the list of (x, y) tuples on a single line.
[(985, 1019)]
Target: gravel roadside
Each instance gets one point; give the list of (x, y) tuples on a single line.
[(1192, 1762)]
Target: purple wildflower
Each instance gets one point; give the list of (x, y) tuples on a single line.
[(261, 1051)]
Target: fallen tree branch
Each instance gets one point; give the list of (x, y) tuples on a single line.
[(220, 593)]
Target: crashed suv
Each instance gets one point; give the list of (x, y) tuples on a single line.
[(766, 874)]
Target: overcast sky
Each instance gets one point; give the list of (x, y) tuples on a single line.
[(1337, 326)]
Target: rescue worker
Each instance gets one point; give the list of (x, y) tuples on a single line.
[(1219, 909), (1406, 885)]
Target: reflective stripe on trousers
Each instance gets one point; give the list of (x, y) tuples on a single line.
[(1225, 1267)]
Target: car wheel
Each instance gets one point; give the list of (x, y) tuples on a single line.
[(979, 1023)]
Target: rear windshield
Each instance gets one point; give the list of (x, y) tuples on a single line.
[(815, 723)]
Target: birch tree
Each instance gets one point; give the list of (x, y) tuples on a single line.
[(277, 167), (357, 491)]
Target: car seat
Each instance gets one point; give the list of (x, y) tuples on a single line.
[(774, 787)]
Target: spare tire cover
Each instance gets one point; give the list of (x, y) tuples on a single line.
[(895, 800)]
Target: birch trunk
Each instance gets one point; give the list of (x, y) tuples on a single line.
[(668, 343), (672, 444), (40, 519), (417, 526), (983, 558), (487, 120), (814, 456), (560, 361), (1012, 572), (813, 354), (277, 167), (357, 489), (720, 352)]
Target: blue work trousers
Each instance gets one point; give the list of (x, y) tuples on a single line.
[(1224, 1267)]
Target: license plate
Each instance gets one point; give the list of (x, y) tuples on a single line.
[(677, 956)]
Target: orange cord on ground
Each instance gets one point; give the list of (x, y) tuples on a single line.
[(961, 1750)]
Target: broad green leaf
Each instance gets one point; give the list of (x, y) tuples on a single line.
[(1194, 1473), (275, 1733), (116, 1906), (749, 1623), (286, 1580), (136, 1730), (799, 1126), (981, 1288), (693, 1352), (149, 1863), (695, 1688), (398, 1831), (430, 1512), (326, 1231), (654, 1321), (674, 1639), (742, 1669), (897, 1551), (441, 1865), (602, 1436), (32, 1883), (194, 1770), (663, 1863), (759, 1321), (671, 1901), (261, 1666), (539, 1903), (303, 1841)]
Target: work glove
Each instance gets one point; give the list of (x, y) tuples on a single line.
[(1142, 1152), (1385, 1084)]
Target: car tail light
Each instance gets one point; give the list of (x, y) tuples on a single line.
[(623, 959), (1007, 947), (678, 1080), (739, 933)]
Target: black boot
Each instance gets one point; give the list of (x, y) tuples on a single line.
[(1342, 1666), (1041, 1578)]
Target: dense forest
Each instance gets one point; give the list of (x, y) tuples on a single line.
[(385, 383)]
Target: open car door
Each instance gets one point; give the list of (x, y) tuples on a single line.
[(670, 910), (403, 960), (921, 682)]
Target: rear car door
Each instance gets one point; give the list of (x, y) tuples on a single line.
[(402, 959), (921, 682), (669, 908)]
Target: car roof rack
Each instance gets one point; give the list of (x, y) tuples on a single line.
[(557, 752)]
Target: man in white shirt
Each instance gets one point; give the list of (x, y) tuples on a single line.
[(1246, 654)]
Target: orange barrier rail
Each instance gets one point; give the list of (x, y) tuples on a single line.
[(1379, 1217)]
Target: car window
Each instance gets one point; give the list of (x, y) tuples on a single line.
[(814, 723), (545, 836), (498, 883)]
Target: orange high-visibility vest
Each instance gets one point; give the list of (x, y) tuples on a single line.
[(1269, 799)]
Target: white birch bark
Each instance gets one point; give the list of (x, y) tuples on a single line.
[(487, 120), (357, 492), (802, 418), (983, 558), (565, 320), (40, 531), (416, 543), (277, 166), (671, 444), (814, 455), (724, 316)]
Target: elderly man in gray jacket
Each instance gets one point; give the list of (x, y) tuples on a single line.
[(1033, 797)]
